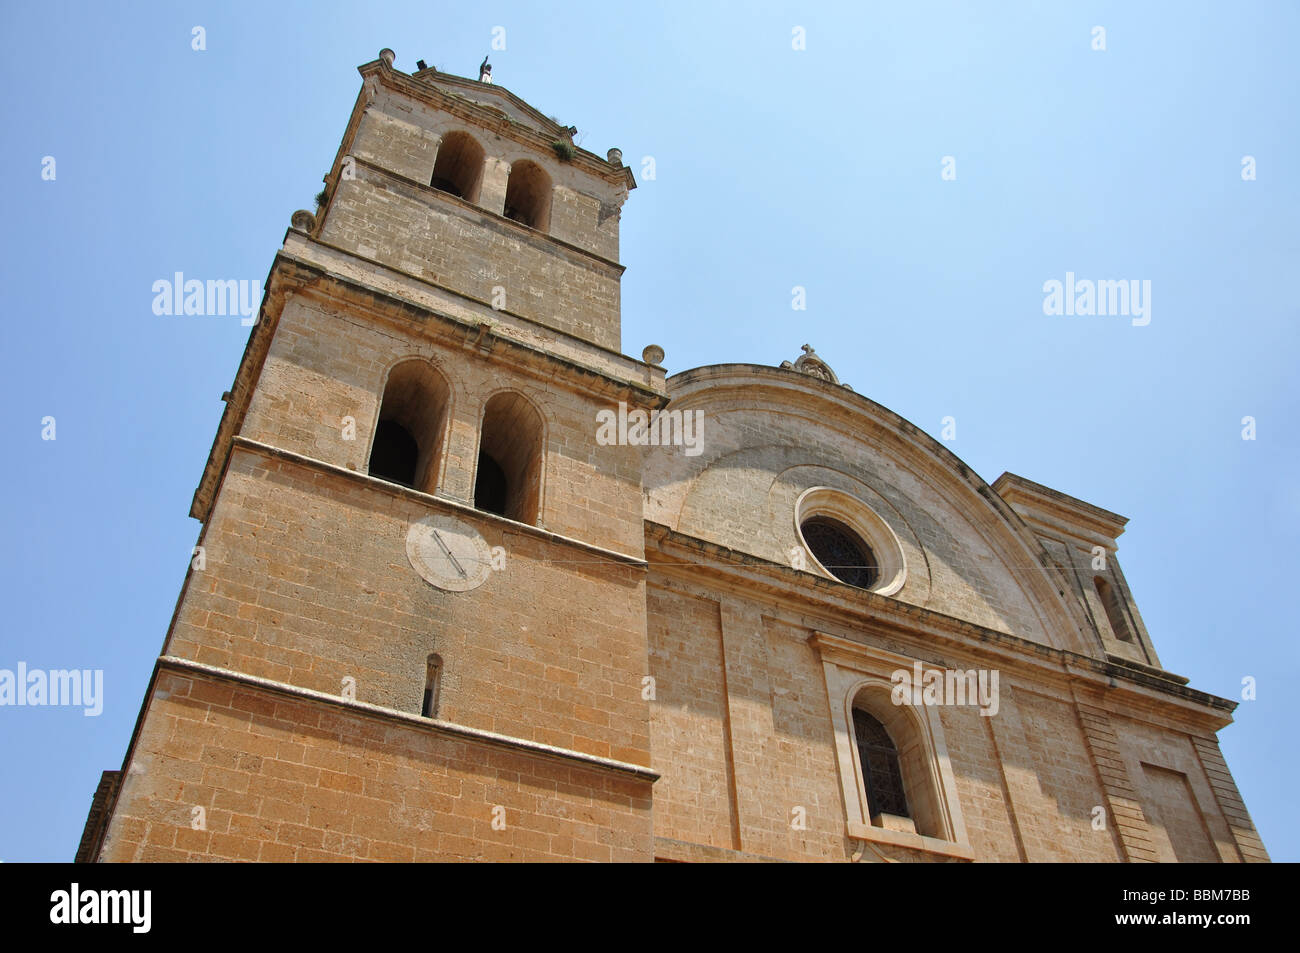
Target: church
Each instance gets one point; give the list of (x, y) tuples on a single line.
[(472, 584)]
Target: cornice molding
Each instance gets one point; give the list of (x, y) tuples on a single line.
[(433, 501), (532, 236), (1060, 512), (492, 120), (822, 603), (365, 709), (293, 275), (715, 385)]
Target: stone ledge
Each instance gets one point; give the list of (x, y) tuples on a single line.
[(525, 232), (422, 89), (883, 614), (567, 755), (930, 845), (1036, 503), (442, 502), (413, 294)]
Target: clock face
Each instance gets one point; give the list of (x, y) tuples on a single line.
[(448, 554)]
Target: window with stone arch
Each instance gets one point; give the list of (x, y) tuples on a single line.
[(508, 479), (458, 168), (528, 195), (894, 767), (897, 781), (408, 434), (882, 776)]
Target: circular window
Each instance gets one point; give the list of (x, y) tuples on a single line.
[(841, 551), (848, 541)]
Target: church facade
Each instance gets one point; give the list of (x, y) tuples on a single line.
[(472, 584)]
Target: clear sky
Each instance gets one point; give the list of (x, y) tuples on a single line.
[(774, 167)]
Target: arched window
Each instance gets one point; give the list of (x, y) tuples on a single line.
[(528, 195), (395, 455), (896, 778), (432, 682), (459, 166), (881, 775), (408, 436), (490, 485), (841, 551), (1114, 609), (894, 772), (509, 477)]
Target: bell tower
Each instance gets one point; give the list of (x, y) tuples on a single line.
[(415, 626)]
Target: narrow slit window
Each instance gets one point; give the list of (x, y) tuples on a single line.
[(432, 680)]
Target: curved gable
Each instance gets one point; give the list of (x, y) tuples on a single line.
[(770, 435)]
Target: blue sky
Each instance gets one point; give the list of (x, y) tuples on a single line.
[(774, 167)]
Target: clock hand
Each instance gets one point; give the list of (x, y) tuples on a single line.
[(448, 552)]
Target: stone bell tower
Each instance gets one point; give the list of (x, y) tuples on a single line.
[(416, 625)]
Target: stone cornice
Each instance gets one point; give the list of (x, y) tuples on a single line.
[(434, 502), (414, 189), (290, 274), (1056, 511), (493, 120), (364, 709), (241, 391), (714, 385), (341, 266), (823, 603)]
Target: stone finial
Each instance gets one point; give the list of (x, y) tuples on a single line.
[(303, 220), (653, 354), (615, 157), (812, 365), (386, 56)]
